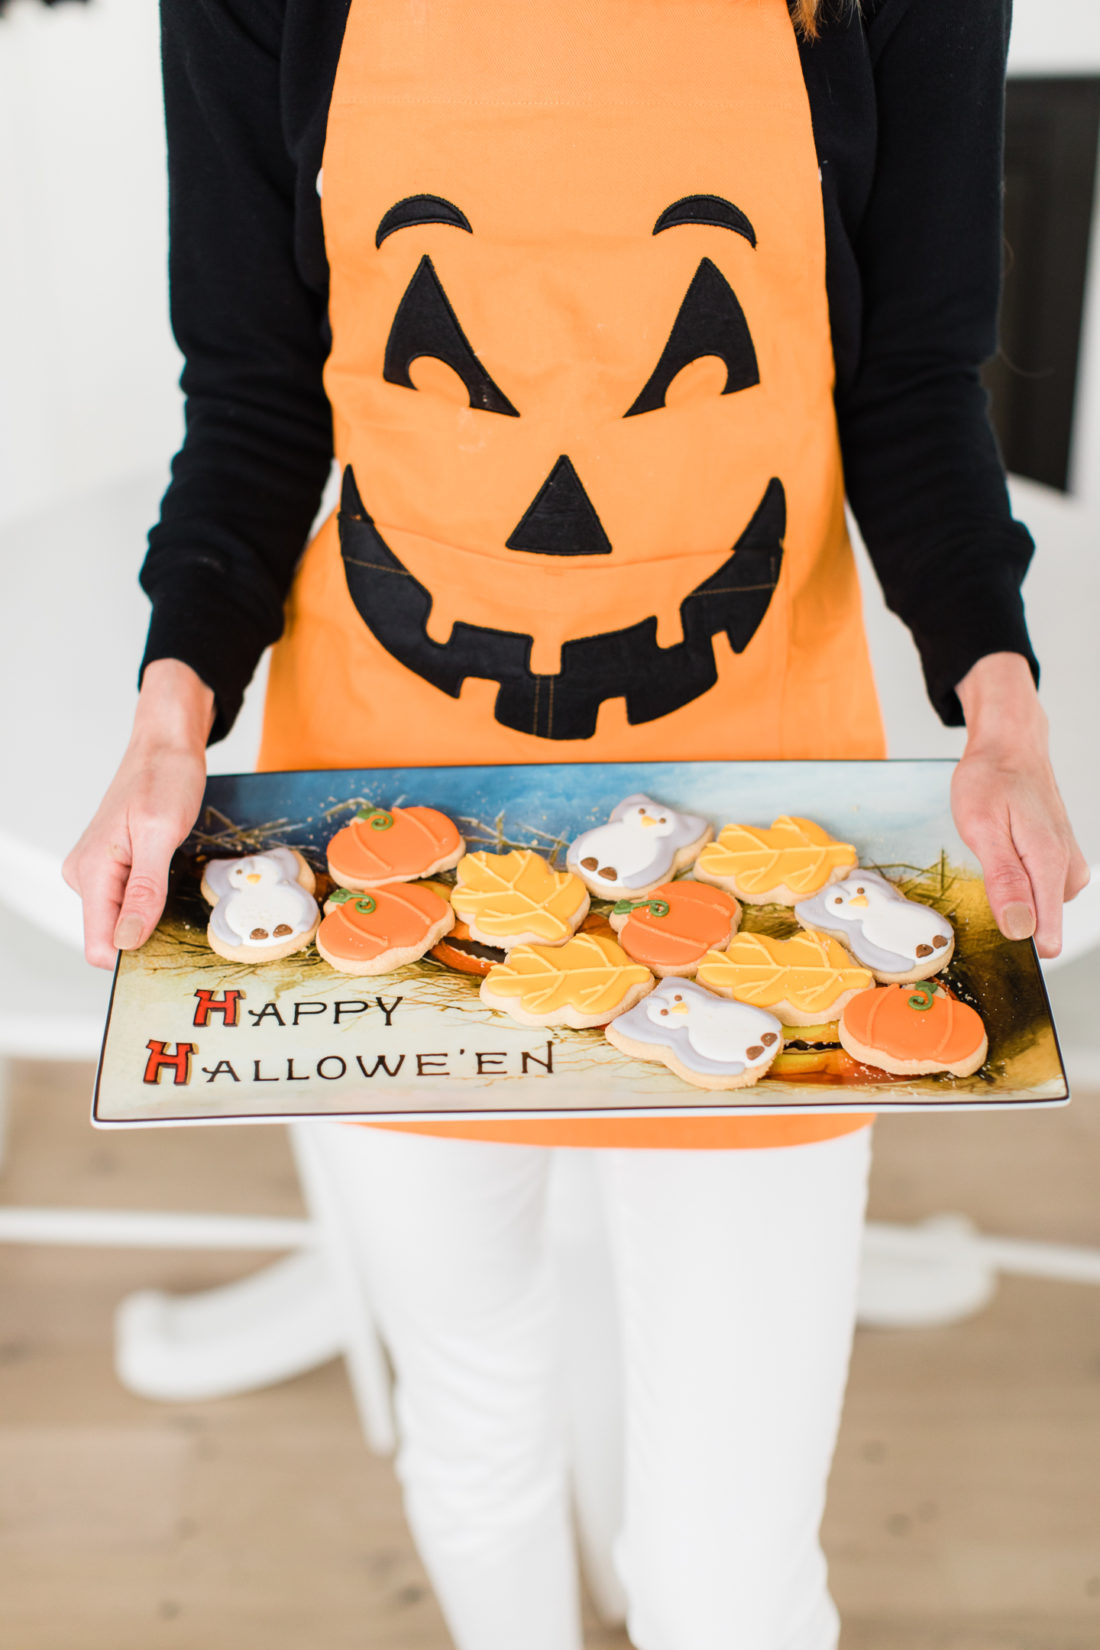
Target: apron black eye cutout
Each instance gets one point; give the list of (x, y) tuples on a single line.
[(710, 321), (712, 209), (425, 324), (421, 209)]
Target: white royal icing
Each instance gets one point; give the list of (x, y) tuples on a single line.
[(639, 844), (881, 927), (708, 1034), (260, 892)]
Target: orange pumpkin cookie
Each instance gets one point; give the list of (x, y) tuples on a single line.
[(375, 932), (804, 980), (913, 1030), (672, 930), (517, 899), (789, 862), (383, 845), (587, 981)]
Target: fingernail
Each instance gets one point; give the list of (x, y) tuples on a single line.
[(1017, 920), (128, 933)]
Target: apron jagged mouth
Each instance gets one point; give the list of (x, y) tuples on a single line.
[(614, 664)]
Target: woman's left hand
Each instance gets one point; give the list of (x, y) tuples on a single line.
[(1007, 806)]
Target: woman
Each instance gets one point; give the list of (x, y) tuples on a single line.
[(595, 285)]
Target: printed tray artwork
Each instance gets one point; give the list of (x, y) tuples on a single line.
[(194, 1038)]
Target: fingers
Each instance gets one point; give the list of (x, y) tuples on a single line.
[(1079, 874), (1009, 812), (146, 887), (99, 876), (120, 865), (122, 877), (1007, 883), (1046, 858), (985, 829)]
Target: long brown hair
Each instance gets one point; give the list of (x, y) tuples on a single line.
[(808, 14)]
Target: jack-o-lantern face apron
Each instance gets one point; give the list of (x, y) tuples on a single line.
[(581, 377)]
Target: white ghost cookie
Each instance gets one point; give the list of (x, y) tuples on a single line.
[(898, 939), (642, 845), (708, 1041), (263, 905)]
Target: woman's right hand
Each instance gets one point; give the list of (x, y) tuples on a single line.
[(120, 865)]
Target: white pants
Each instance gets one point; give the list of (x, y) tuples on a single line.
[(696, 1362)]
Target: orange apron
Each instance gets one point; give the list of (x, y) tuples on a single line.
[(582, 386)]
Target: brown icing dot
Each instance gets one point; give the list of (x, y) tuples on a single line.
[(924, 950), (768, 1039), (939, 941), (609, 873), (283, 928), (590, 863), (259, 934), (754, 1052)]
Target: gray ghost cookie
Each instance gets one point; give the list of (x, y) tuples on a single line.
[(709, 1041), (895, 937), (642, 845)]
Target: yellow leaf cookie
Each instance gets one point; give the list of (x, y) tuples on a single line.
[(789, 862), (804, 980), (517, 899), (585, 982)]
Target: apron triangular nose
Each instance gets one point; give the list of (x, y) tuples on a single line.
[(561, 519)]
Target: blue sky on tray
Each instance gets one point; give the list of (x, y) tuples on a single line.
[(892, 811)]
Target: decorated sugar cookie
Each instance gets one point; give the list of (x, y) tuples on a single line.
[(642, 845), (374, 931), (824, 1035), (672, 930), (805, 980), (913, 1030), (707, 1040), (517, 899), (469, 956), (383, 845), (466, 955), (898, 939), (585, 982), (263, 905), (789, 862)]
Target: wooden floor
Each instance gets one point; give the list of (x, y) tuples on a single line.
[(965, 1505)]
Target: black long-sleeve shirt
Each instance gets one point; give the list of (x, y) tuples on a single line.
[(907, 108)]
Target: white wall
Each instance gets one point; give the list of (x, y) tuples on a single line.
[(88, 383), (89, 410), (1055, 37)]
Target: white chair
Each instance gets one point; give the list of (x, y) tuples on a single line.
[(298, 1313), (943, 1269), (78, 562)]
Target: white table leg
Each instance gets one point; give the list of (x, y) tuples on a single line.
[(295, 1314), (943, 1270), (266, 1328), (922, 1276)]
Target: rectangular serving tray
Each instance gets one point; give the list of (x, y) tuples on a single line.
[(420, 1044)]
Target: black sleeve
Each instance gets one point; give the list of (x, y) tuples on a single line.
[(923, 471), (247, 481)]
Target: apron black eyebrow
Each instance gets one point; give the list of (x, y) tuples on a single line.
[(707, 209), (420, 209)]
